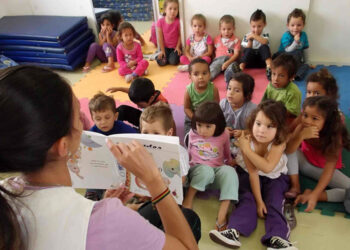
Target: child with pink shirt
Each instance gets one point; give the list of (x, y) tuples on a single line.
[(210, 159), (168, 32), (227, 48), (198, 45), (129, 54)]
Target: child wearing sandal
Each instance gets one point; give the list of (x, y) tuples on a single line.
[(210, 159), (104, 50), (262, 180), (129, 54)]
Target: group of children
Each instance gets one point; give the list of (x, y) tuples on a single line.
[(116, 42), (252, 153)]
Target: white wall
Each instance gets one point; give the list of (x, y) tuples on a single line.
[(50, 7), (327, 23)]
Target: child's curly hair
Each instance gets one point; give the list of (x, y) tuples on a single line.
[(327, 81), (334, 135), (277, 113)]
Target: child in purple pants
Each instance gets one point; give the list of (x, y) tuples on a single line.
[(104, 50), (262, 180)]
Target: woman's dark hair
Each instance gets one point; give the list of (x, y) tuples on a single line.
[(247, 84), (195, 61), (277, 113), (36, 110), (258, 15), (124, 26), (209, 112), (327, 81), (116, 18), (333, 136)]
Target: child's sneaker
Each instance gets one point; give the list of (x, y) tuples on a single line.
[(235, 67), (268, 73), (288, 211), (279, 243), (228, 238), (182, 68)]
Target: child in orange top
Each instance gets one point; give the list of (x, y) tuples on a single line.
[(227, 48)]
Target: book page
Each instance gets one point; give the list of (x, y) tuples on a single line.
[(94, 166)]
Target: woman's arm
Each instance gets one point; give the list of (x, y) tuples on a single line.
[(187, 52), (265, 164), (135, 158), (188, 105)]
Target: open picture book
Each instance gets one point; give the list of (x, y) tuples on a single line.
[(93, 166)]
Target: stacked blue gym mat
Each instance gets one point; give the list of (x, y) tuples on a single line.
[(51, 41)]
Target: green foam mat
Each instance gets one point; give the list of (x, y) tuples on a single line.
[(329, 208)]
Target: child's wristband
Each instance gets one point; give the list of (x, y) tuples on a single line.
[(160, 197)]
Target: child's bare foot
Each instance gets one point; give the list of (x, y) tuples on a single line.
[(292, 193), (108, 68)]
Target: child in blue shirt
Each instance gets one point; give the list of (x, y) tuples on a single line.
[(294, 41), (104, 114)]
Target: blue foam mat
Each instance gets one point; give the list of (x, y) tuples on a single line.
[(66, 58), (40, 43), (77, 62), (342, 75), (48, 28), (86, 35)]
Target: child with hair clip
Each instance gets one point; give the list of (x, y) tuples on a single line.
[(104, 50), (256, 50), (227, 49), (294, 42), (237, 105), (210, 159), (199, 44), (321, 135), (262, 180), (129, 54), (282, 88), (168, 32), (200, 90), (117, 18)]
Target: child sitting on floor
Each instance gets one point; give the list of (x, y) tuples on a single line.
[(210, 159), (262, 180), (104, 114), (256, 52), (200, 90), (104, 50), (129, 54), (199, 44), (281, 88), (143, 94), (227, 48)]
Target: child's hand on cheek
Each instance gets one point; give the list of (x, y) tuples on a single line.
[(310, 132), (297, 37)]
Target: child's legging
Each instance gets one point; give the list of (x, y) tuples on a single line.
[(139, 70), (185, 61), (101, 52), (297, 162), (244, 218)]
